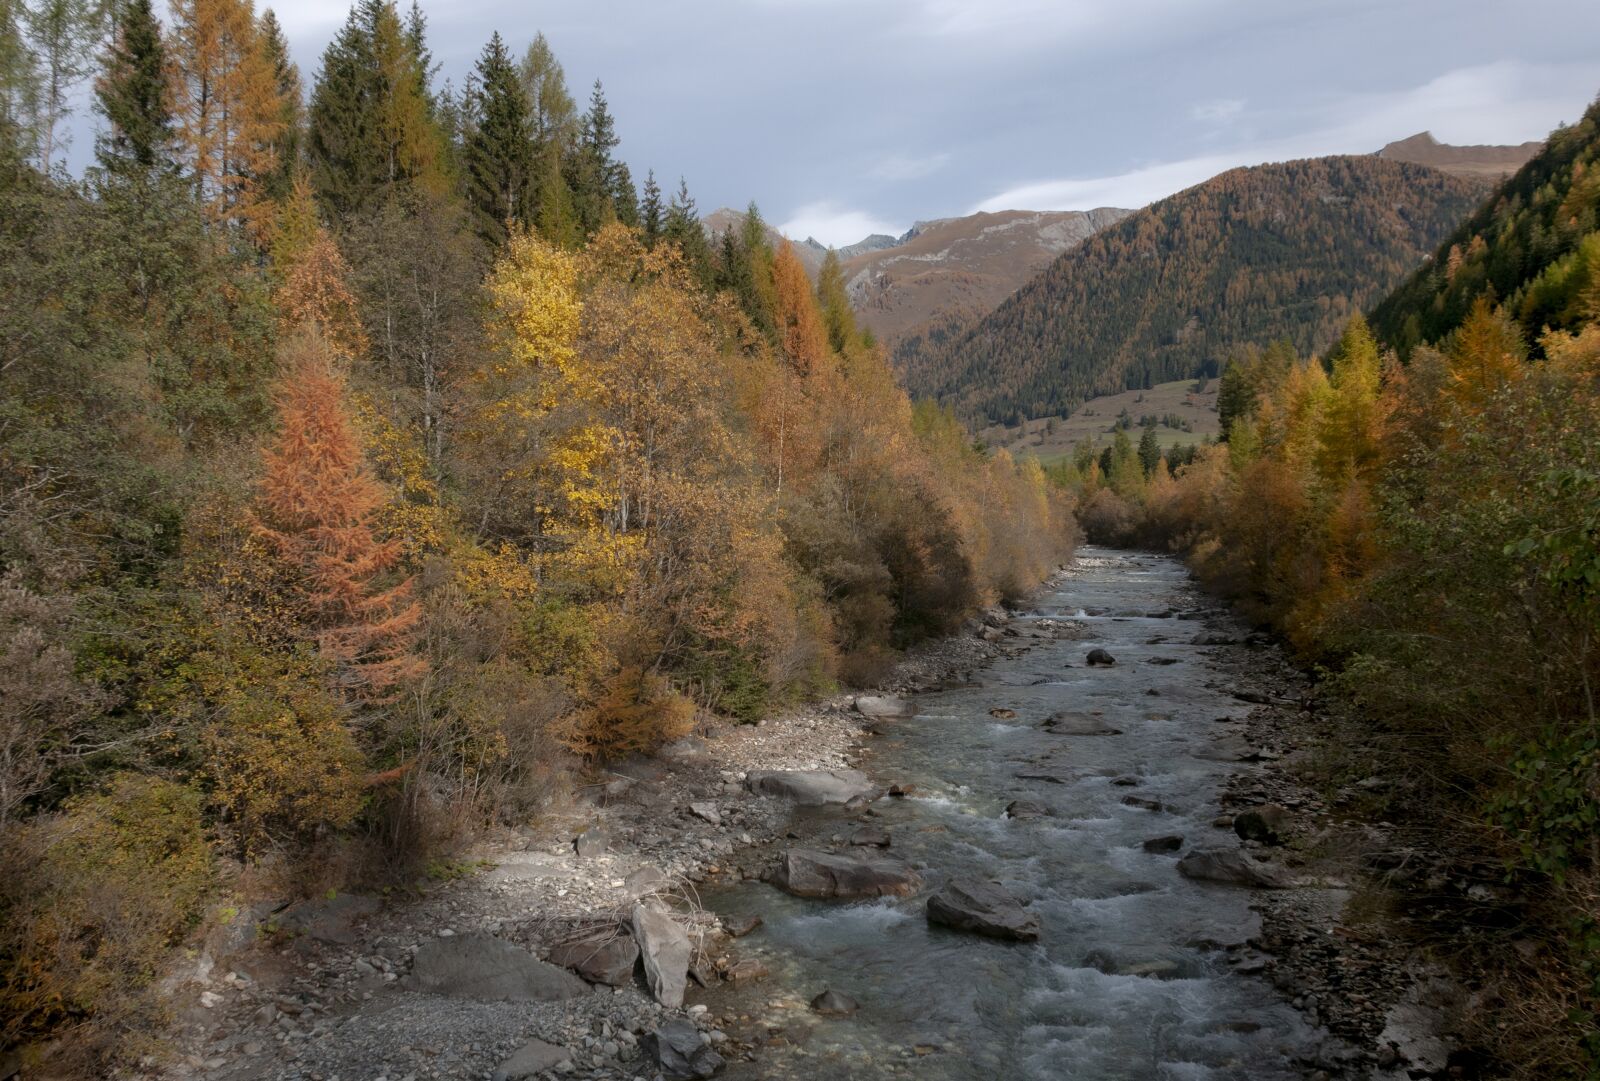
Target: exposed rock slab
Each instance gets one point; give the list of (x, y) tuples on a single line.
[(810, 787), (530, 1060), (810, 873), (606, 956), (488, 969), (883, 708), (1232, 867), (984, 908), (664, 946)]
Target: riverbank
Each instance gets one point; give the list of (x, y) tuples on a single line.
[(311, 991)]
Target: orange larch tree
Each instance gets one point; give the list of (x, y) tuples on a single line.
[(315, 509)]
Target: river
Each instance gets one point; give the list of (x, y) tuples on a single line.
[(1132, 977)]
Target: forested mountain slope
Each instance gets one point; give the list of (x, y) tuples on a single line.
[(1287, 250), (1531, 247)]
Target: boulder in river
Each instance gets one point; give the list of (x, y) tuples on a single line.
[(885, 708), (1069, 723), (603, 956), (1170, 842), (810, 873), (1099, 658), (810, 787), (488, 969), (984, 908), (1147, 804), (680, 1052), (870, 837), (1001, 714), (1232, 867), (530, 1060), (739, 926), (1266, 823), (664, 945), (1026, 808), (834, 1004)]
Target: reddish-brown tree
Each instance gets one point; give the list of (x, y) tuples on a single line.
[(315, 509)]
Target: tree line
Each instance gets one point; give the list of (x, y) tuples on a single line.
[(375, 461)]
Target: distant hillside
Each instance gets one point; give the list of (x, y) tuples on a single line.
[(1525, 246), (1286, 250), (1490, 163), (960, 267)]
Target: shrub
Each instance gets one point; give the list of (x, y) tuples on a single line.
[(90, 899), (637, 713)]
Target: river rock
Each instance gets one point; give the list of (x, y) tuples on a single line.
[(1227, 749), (1147, 804), (644, 881), (530, 1060), (810, 873), (606, 956), (664, 946), (984, 908), (810, 787), (591, 842), (1169, 843), (1068, 723), (739, 926), (706, 812), (870, 837), (1099, 658), (1266, 823), (1025, 808), (1002, 714), (481, 967), (887, 709), (680, 1052), (1231, 867), (834, 1004), (746, 970)]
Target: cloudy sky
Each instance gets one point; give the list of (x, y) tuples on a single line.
[(844, 117)]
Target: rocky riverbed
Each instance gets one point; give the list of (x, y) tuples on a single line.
[(347, 987)]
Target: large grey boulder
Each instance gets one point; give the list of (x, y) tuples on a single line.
[(1232, 867), (680, 1052), (604, 956), (810, 787), (984, 908), (488, 969), (882, 708), (665, 947), (530, 1060), (810, 873)]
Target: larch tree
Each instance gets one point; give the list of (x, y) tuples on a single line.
[(63, 35), (315, 508), (801, 335), (314, 294), (230, 114)]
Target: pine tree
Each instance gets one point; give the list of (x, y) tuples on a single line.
[(315, 510), (499, 156), (1149, 452), (132, 93), (651, 213)]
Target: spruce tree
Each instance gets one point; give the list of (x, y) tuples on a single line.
[(593, 173), (651, 221), (279, 183), (372, 127), (132, 94), (499, 156), (624, 200), (683, 228)]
